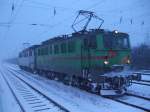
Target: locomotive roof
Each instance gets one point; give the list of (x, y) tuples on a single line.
[(80, 34), (31, 47), (73, 35)]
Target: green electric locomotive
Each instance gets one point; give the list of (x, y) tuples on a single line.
[(92, 60)]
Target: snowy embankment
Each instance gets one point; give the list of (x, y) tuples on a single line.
[(141, 90), (7, 101), (146, 77), (72, 98)]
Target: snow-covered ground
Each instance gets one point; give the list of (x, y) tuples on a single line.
[(7, 101), (25, 94), (146, 77), (135, 101), (145, 74), (77, 100), (141, 90)]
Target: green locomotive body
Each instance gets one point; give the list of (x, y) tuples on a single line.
[(84, 57), (84, 53)]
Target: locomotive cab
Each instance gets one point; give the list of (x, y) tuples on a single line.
[(106, 53), (118, 47)]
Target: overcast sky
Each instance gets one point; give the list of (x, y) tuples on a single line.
[(17, 26)]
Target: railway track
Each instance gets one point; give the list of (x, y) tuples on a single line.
[(142, 83), (145, 81), (135, 104), (13, 93), (142, 97), (148, 74), (29, 98), (122, 101)]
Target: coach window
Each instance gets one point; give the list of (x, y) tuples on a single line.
[(26, 54), (19, 55), (56, 49), (46, 51), (42, 51), (30, 53), (38, 52), (63, 48), (50, 49)]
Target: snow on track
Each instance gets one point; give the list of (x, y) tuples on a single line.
[(141, 83), (142, 90), (30, 100), (7, 103), (73, 98), (146, 77), (139, 102)]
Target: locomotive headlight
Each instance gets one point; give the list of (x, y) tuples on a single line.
[(128, 61), (106, 62), (116, 31)]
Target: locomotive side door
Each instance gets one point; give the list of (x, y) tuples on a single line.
[(88, 47), (85, 57)]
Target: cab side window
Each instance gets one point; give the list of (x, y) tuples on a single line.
[(93, 42), (71, 46), (90, 42)]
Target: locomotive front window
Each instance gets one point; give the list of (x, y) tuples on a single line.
[(122, 42), (111, 41)]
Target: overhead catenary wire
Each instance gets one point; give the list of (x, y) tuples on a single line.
[(30, 24), (95, 5), (76, 11), (39, 3), (17, 11), (12, 15), (50, 6), (29, 5), (99, 3)]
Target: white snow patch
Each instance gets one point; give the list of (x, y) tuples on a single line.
[(7, 101)]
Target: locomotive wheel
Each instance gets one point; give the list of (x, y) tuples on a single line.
[(51, 76)]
